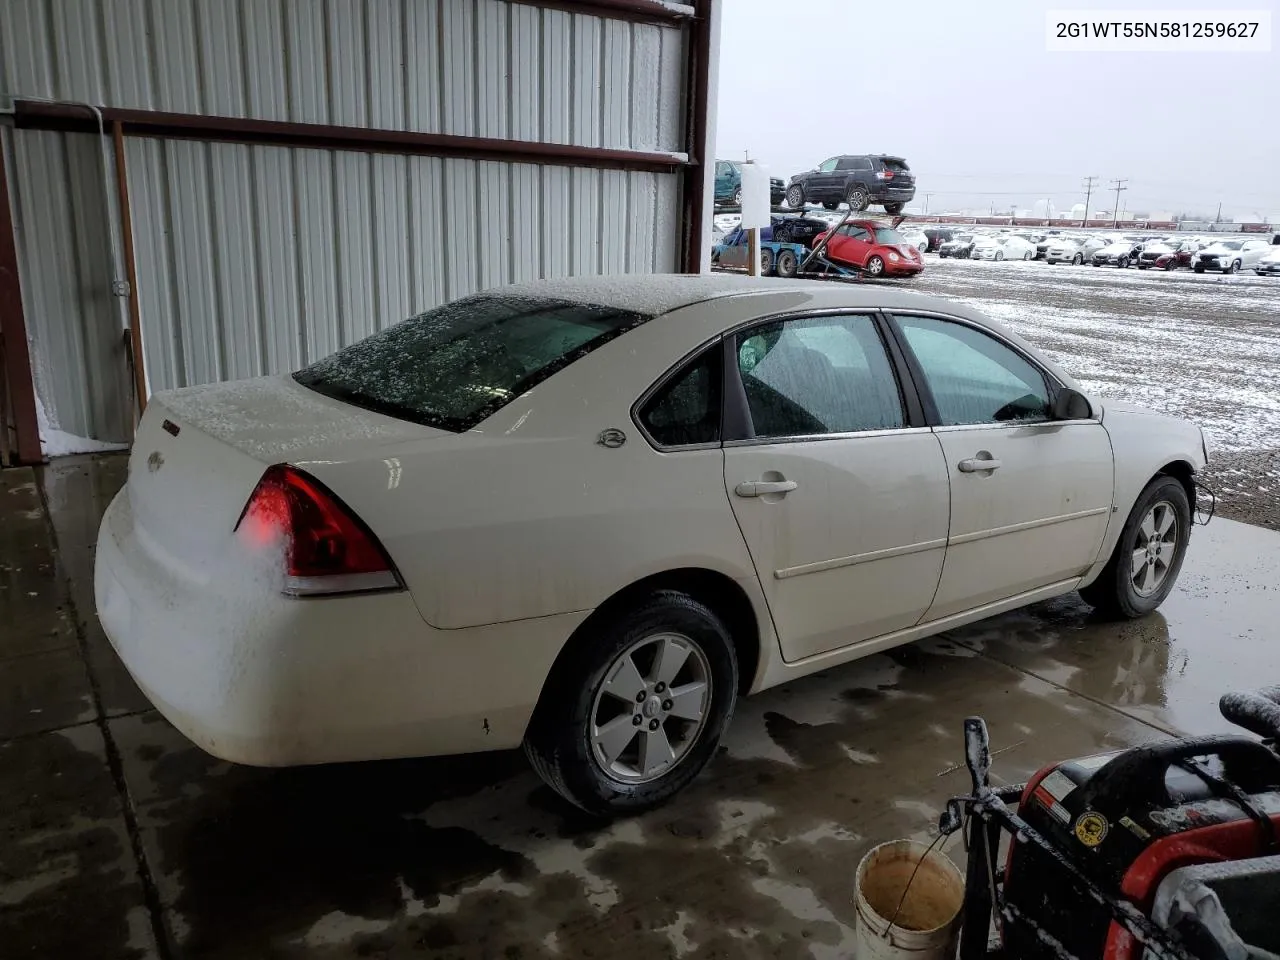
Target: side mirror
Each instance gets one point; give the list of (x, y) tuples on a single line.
[(1071, 404)]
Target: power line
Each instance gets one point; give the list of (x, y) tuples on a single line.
[(1088, 192), (1118, 186)]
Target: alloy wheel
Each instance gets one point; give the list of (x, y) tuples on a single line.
[(651, 708), (1155, 548)]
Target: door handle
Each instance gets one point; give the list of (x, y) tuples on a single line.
[(760, 488), (978, 464)]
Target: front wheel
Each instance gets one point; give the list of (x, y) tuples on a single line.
[(1027, 255), (1171, 265), (1148, 556), (875, 266), (795, 197), (1199, 268), (1123, 263), (737, 196), (999, 255), (635, 708), (1077, 260), (1235, 266)]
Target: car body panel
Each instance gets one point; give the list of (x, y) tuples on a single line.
[(856, 550), (510, 534)]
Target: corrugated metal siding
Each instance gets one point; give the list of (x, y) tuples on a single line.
[(471, 67), (256, 260), (74, 324)]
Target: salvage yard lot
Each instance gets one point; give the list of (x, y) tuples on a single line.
[(119, 839), (1197, 346)]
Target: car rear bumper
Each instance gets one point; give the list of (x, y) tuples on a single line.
[(255, 677), (1267, 269), (893, 194)]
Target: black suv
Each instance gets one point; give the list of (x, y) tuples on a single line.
[(858, 180)]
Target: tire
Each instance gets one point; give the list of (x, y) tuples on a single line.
[(875, 266), (1027, 255), (1171, 265), (1123, 263), (787, 265), (737, 196), (795, 196), (558, 742), (857, 198), (831, 204), (893, 209), (1115, 594), (999, 255), (1199, 269), (1077, 260), (1235, 267), (766, 262)]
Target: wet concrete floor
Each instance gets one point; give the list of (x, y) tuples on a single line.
[(119, 839)]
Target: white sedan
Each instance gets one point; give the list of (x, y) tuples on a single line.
[(1074, 250), (915, 237), (1269, 266), (585, 516)]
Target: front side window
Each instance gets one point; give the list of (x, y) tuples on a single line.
[(454, 366), (974, 378), (818, 375), (828, 165), (686, 409)]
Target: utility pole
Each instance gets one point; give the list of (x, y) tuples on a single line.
[(1088, 193), (926, 202), (1218, 218), (1118, 186)]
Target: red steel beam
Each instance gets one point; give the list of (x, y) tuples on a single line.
[(39, 115), (696, 91), (640, 11), (13, 332)]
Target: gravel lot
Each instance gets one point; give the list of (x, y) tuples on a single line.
[(1205, 347)]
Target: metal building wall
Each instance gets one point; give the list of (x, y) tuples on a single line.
[(255, 259), (279, 256)]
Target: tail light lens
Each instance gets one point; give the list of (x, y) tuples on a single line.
[(884, 175), (327, 550)]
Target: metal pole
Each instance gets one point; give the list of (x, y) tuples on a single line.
[(753, 251), (1088, 193), (131, 271), (1115, 212), (13, 334)]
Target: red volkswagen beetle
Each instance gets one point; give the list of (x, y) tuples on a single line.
[(875, 248)]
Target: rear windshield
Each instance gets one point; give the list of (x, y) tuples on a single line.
[(456, 365), (897, 166)]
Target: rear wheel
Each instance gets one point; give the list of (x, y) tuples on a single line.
[(737, 196), (1199, 268), (1148, 556), (1123, 263), (1027, 255), (632, 714), (857, 198), (1077, 260), (787, 265), (795, 196), (893, 209), (999, 255), (875, 266), (1235, 266), (831, 204), (766, 262)]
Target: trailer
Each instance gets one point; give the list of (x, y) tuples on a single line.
[(788, 259)]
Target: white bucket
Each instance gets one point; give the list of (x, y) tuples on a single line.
[(927, 923)]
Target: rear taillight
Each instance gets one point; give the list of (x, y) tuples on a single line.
[(884, 175), (327, 550)]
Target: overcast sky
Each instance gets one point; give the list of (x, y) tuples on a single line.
[(965, 90)]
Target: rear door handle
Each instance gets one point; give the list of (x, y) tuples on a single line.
[(978, 464), (760, 488)]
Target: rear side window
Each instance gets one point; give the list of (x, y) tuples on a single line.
[(862, 163), (454, 366), (686, 409)]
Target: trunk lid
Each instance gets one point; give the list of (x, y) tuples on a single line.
[(199, 453)]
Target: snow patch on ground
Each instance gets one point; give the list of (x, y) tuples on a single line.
[(59, 443)]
